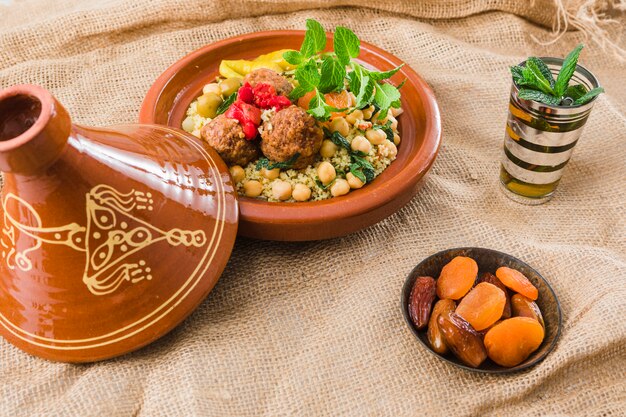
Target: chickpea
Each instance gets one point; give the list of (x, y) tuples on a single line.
[(367, 113), (355, 116), (394, 122), (353, 181), (396, 112), (252, 188), (328, 149), (340, 125), (212, 88), (281, 190), (237, 173), (208, 104), (270, 174), (391, 148), (229, 86), (375, 136), (359, 143), (326, 172), (396, 139), (340, 187), (301, 192), (189, 124)]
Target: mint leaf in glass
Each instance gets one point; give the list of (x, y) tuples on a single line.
[(567, 70), (589, 96), (540, 96)]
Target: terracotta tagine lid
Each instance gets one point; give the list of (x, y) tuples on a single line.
[(110, 237)]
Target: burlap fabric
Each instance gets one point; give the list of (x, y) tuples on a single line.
[(315, 328)]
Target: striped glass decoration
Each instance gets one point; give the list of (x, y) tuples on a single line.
[(539, 140)]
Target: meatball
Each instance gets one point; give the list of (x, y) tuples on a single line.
[(267, 76), (293, 131), (226, 137)]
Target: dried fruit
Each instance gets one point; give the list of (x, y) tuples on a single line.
[(525, 307), (434, 334), (482, 306), (516, 281), (511, 342), (421, 301), (456, 278), (492, 279), (462, 339)]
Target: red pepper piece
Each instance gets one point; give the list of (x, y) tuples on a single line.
[(246, 94)]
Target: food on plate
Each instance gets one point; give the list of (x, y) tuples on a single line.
[(305, 125), (421, 301), (478, 326), (510, 342), (456, 278), (482, 306), (435, 338)]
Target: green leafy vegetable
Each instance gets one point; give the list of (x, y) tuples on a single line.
[(588, 96), (328, 72), (293, 57), (536, 82), (338, 139), (314, 39), (364, 165), (265, 163), (527, 94), (357, 171), (332, 76), (226, 104), (533, 75), (543, 68), (575, 91), (385, 95), (567, 70)]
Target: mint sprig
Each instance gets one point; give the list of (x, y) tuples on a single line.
[(536, 82), (328, 72)]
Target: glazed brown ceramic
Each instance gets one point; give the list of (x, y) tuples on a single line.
[(420, 130), (110, 237), (489, 260)]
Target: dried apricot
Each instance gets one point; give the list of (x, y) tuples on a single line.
[(510, 342), (492, 279), (421, 301), (456, 278), (482, 306), (525, 307), (464, 342), (516, 281), (434, 334)]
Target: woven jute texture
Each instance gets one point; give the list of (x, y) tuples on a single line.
[(316, 328)]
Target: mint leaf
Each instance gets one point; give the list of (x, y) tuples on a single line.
[(319, 109), (361, 163), (346, 44), (527, 94), (532, 74), (338, 139), (314, 39), (297, 92), (575, 91), (333, 74), (588, 96), (567, 70), (293, 57), (378, 76), (366, 92), (543, 68), (226, 104), (265, 163), (307, 75), (356, 170), (385, 95)]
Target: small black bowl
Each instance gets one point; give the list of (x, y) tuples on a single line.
[(488, 261)]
